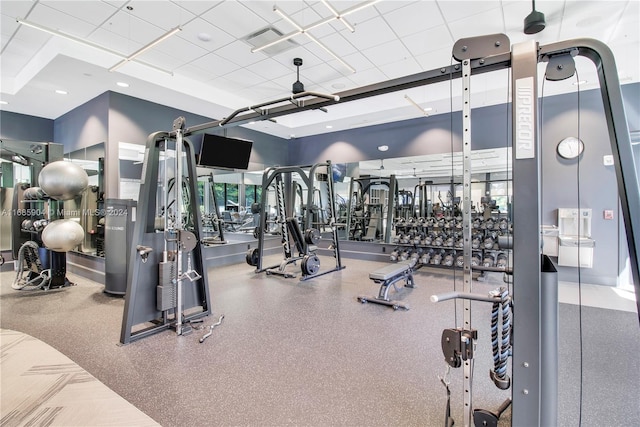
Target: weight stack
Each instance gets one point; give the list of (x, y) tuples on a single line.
[(166, 290)]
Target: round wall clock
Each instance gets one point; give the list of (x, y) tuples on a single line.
[(570, 147)]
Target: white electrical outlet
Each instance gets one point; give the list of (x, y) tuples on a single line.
[(607, 160)]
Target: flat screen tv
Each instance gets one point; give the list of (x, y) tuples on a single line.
[(222, 152)]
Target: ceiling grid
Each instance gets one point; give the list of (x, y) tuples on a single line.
[(211, 54)]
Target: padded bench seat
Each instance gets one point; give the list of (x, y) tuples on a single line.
[(390, 271)]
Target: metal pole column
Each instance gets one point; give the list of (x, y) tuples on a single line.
[(178, 220), (466, 232), (526, 394)]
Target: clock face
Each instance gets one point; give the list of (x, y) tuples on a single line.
[(570, 147)]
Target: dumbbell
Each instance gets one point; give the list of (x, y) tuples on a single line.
[(436, 259), (503, 224), (488, 243), (393, 256), (460, 261), (476, 223), (404, 255), (475, 241), (501, 260), (459, 243), (426, 257), (414, 257), (447, 259), (475, 259), (439, 240), (489, 259), (448, 242), (488, 224)]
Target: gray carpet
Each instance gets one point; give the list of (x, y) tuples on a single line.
[(307, 353)]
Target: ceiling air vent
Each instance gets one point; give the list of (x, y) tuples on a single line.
[(267, 35)]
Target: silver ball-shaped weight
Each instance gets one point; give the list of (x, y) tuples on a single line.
[(63, 180), (62, 235)]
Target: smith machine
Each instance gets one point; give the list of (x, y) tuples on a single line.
[(304, 242), (532, 328)]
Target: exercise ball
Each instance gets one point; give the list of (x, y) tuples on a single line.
[(62, 235), (63, 180)]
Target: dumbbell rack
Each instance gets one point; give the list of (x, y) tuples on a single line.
[(437, 242)]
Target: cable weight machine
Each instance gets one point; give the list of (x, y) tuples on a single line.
[(167, 285)]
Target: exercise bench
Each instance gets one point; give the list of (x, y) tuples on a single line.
[(388, 276)]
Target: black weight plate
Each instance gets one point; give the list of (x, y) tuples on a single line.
[(312, 236), (252, 257), (310, 265)]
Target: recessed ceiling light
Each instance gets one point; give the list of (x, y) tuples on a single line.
[(581, 82), (205, 37), (428, 109), (329, 126), (61, 92), (123, 84), (383, 147), (3, 102)]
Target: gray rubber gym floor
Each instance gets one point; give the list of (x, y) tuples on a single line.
[(307, 353)]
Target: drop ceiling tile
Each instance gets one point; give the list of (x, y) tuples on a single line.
[(400, 68), (164, 14), (218, 37), (180, 49), (234, 18), (628, 29), (29, 35), (239, 52), (360, 15), (264, 92), (197, 7), (359, 61), (193, 72), (428, 40), (308, 58), (367, 77), (456, 10), (386, 7), (338, 44), (488, 22), (319, 74), (244, 78), (386, 53), (94, 12), (216, 65), (60, 21), (369, 34), (114, 41), (270, 69), (414, 18), (435, 59), (224, 84), (15, 9), (130, 27), (595, 20)]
